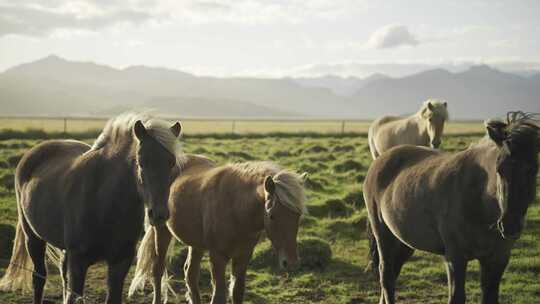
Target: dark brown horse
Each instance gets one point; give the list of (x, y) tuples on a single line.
[(89, 202), (463, 206)]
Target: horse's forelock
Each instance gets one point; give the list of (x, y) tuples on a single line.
[(119, 130), (161, 131), (439, 108)]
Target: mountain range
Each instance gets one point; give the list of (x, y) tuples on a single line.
[(55, 86)]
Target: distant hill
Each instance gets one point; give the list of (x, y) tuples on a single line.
[(59, 87), (342, 86), (55, 86), (479, 92)]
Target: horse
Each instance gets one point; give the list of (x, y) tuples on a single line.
[(224, 210), (464, 206), (89, 202), (424, 128)]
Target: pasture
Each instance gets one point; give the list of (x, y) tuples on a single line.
[(336, 165), (219, 126)]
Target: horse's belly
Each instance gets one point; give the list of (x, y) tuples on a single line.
[(414, 229), (43, 212)]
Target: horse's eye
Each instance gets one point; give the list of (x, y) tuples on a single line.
[(270, 216)]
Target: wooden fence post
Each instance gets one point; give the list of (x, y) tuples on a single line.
[(65, 125)]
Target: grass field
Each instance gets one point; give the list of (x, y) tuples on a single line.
[(193, 126), (337, 166)]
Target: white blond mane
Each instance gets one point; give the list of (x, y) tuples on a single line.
[(439, 108), (289, 184), (119, 130)]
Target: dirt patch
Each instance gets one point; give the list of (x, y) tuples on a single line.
[(315, 254), (344, 148), (7, 181), (14, 160), (348, 165), (240, 154)]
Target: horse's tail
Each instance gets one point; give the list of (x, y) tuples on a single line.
[(19, 272), (373, 253), (371, 142), (144, 271), (146, 255)]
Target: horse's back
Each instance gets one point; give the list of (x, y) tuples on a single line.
[(385, 168), (50, 154), (384, 133), (38, 179)]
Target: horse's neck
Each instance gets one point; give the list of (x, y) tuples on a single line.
[(253, 211), (119, 158), (415, 123), (485, 157)]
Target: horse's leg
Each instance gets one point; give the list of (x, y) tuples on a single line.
[(192, 268), (392, 255), (116, 274), (491, 274), (219, 284), (456, 268), (63, 275), (162, 241), (238, 276), (402, 255), (36, 250), (77, 266)]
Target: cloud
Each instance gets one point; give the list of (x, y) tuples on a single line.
[(27, 17), (391, 36), (34, 20)]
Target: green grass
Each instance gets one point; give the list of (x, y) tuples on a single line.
[(337, 166), (40, 127)]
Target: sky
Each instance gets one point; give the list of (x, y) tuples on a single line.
[(275, 38)]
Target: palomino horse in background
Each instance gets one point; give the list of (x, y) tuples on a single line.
[(425, 128), (89, 201), (223, 210), (464, 206)]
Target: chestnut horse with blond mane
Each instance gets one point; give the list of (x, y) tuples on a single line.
[(89, 202), (224, 210)]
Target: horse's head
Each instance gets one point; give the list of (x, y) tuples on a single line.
[(281, 221), (156, 161), (516, 167), (435, 113)]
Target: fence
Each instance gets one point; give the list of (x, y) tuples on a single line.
[(196, 125)]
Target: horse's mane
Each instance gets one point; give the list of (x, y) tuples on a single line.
[(522, 125), (439, 108), (519, 126), (289, 184), (119, 131)]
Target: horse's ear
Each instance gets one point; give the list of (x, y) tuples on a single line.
[(304, 176), (445, 104), (176, 129), (496, 130), (139, 130), (430, 106), (269, 185)]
